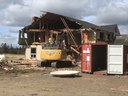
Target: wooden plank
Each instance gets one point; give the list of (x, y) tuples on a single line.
[(35, 30)]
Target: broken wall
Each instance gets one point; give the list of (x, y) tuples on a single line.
[(33, 52)]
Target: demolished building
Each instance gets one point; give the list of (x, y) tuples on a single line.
[(51, 25)]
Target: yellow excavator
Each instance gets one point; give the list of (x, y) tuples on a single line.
[(54, 53)]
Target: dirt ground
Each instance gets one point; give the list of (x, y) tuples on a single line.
[(33, 81)]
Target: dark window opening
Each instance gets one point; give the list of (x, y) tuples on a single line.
[(101, 36), (111, 37), (33, 53), (108, 36)]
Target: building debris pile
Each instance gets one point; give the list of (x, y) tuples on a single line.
[(9, 65), (5, 65)]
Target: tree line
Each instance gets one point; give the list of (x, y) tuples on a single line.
[(5, 48)]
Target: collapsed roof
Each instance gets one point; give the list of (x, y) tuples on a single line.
[(54, 21)]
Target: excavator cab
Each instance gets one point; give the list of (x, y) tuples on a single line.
[(54, 52)]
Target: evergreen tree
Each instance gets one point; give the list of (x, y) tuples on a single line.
[(5, 48)]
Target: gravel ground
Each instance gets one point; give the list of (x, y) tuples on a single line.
[(38, 82), (35, 81)]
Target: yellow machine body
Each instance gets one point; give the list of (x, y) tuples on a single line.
[(53, 54)]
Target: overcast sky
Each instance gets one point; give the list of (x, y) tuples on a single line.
[(15, 14)]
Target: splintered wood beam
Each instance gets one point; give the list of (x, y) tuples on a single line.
[(75, 50), (69, 31), (34, 30)]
